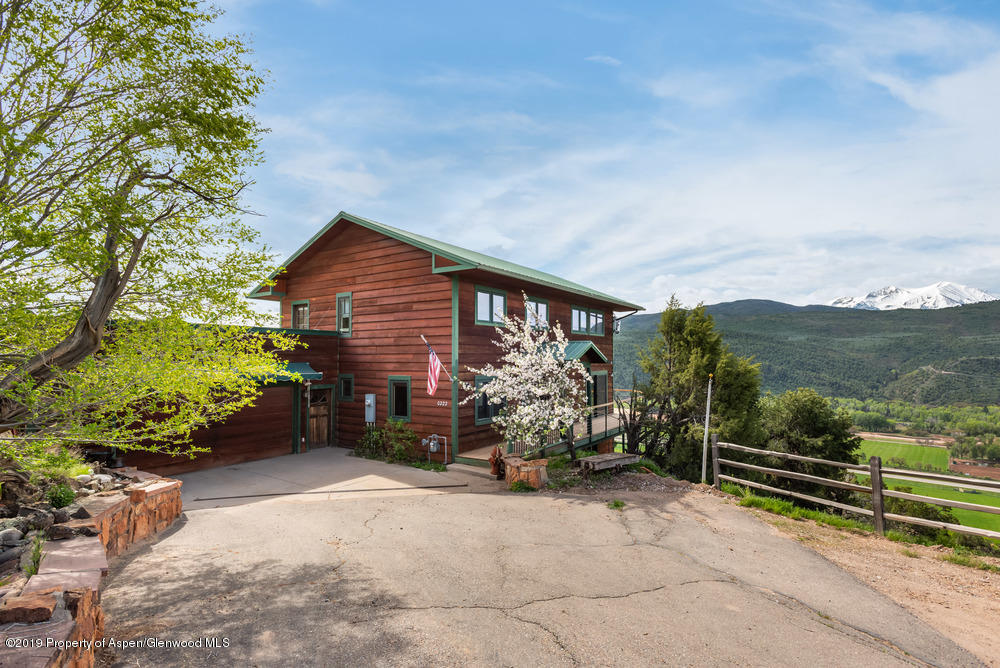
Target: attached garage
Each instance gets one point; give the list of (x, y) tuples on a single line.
[(276, 424)]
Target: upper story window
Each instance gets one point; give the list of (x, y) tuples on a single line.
[(300, 315), (536, 312), (587, 321), (491, 306), (344, 317)]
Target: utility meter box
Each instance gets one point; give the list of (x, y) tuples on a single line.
[(370, 408)]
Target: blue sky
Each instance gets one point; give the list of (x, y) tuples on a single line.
[(713, 150)]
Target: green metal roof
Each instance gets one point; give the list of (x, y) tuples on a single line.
[(302, 368), (577, 349), (467, 258)]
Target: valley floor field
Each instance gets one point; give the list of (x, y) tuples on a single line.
[(970, 518), (916, 456)]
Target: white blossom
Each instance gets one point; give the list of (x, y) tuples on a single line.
[(541, 389)]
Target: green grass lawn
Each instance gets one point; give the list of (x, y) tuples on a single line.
[(972, 518), (912, 454)]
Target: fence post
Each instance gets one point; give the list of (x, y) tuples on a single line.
[(878, 507), (715, 462)]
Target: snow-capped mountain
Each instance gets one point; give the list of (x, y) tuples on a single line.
[(938, 295)]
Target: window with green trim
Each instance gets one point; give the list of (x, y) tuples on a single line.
[(345, 387), (399, 398), (587, 321), (599, 391), (486, 412), (344, 313), (300, 314), (536, 312), (491, 306)]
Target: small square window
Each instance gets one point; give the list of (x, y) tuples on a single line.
[(300, 315), (491, 306)]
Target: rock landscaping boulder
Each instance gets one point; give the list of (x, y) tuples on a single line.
[(10, 558), (60, 515), (11, 536), (40, 520), (61, 532), (27, 609), (77, 511), (83, 479)]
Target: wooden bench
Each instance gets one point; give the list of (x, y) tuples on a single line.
[(615, 461)]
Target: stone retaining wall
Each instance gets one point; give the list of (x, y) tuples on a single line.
[(61, 605)]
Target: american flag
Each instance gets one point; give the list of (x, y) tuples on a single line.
[(433, 371)]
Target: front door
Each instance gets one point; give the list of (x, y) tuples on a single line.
[(320, 417)]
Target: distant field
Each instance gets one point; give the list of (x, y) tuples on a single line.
[(912, 454), (972, 518)]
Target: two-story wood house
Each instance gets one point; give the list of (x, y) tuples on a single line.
[(361, 294)]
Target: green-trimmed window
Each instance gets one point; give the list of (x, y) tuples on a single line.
[(399, 398), (300, 314), (587, 321), (485, 411), (533, 306), (345, 387), (599, 389), (491, 306), (344, 313)]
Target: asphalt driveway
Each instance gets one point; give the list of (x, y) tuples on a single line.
[(325, 560)]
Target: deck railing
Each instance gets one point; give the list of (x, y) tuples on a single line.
[(874, 470), (600, 423)]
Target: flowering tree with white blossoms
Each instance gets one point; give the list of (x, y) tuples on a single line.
[(540, 390)]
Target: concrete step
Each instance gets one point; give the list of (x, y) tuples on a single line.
[(481, 471)]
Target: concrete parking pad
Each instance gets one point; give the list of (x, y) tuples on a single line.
[(488, 577), (320, 475)]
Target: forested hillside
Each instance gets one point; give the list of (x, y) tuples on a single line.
[(932, 356)]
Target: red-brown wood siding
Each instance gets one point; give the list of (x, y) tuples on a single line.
[(476, 346), (395, 298), (257, 432)]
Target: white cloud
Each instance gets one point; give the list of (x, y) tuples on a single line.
[(604, 60)]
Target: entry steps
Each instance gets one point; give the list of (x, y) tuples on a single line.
[(479, 471)]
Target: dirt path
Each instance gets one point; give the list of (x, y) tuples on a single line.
[(928, 441), (962, 603)]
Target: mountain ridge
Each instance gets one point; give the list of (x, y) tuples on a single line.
[(852, 352)]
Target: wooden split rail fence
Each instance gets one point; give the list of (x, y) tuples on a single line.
[(876, 487)]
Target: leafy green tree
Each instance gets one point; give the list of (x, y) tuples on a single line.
[(125, 134), (678, 361), (803, 422)]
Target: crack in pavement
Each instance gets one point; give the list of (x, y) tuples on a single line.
[(555, 636), (509, 608)]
